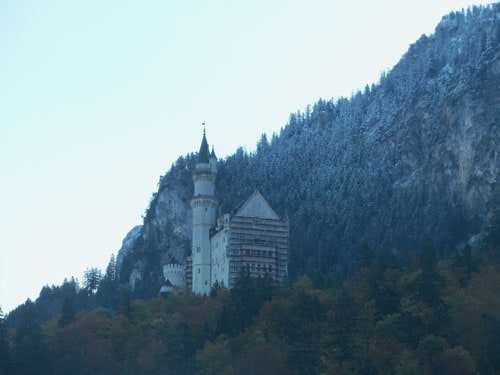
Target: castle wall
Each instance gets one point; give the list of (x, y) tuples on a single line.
[(220, 260), (175, 273)]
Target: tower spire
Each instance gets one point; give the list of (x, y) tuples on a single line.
[(204, 153)]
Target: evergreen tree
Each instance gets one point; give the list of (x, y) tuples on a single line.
[(344, 323), (91, 279), (469, 261), (244, 302), (125, 306), (429, 284), (67, 313), (465, 263), (5, 350), (214, 291), (492, 340), (108, 291), (365, 256), (492, 236), (30, 352)]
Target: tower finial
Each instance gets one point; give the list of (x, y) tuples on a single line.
[(204, 127), (204, 154)]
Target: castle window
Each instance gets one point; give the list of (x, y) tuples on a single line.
[(206, 282), (199, 270)]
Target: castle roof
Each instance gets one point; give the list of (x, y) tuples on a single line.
[(212, 154), (204, 153), (257, 206)]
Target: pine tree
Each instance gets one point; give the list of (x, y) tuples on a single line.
[(68, 313), (5, 350), (492, 231), (91, 279), (430, 284), (365, 256), (107, 294), (244, 302), (30, 353)]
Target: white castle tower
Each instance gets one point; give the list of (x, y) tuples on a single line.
[(203, 205)]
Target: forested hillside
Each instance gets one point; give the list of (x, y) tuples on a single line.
[(420, 316), (416, 152)]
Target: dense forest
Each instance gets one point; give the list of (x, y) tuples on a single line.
[(393, 202), (423, 315)]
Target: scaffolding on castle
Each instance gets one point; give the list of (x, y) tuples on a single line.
[(259, 246)]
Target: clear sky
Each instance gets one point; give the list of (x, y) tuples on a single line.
[(99, 98)]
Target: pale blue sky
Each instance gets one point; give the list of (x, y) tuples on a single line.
[(98, 98)]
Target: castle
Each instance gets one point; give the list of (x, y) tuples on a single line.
[(252, 238)]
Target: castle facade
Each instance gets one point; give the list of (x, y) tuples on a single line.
[(252, 238)]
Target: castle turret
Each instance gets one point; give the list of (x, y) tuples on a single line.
[(213, 160), (204, 206)]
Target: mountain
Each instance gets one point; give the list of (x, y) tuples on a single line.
[(415, 153)]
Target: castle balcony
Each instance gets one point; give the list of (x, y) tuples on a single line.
[(203, 169), (204, 201)]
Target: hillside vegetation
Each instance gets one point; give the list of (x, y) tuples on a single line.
[(421, 316)]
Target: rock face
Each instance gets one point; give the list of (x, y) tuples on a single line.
[(164, 237), (417, 152), (128, 244), (443, 140), (170, 226)]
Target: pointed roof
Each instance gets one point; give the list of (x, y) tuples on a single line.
[(204, 153), (257, 206), (212, 154)]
